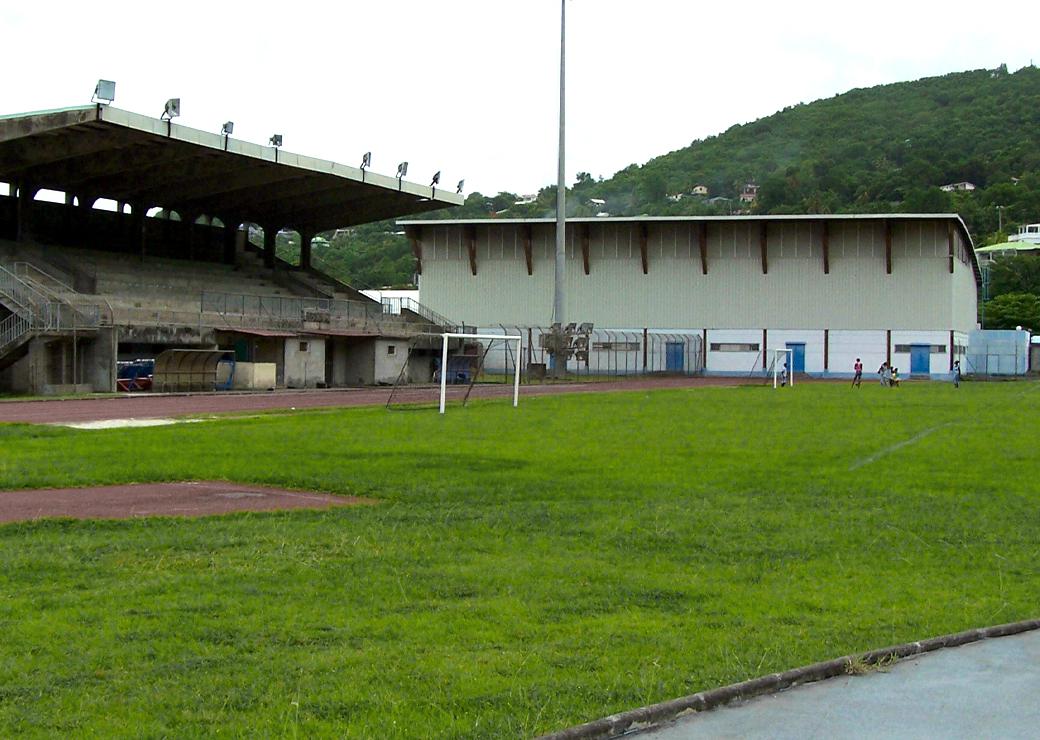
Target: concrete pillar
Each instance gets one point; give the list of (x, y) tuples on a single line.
[(305, 249), (83, 235), (230, 239), (137, 245), (99, 361), (188, 222), (68, 217), (270, 234), (24, 211)]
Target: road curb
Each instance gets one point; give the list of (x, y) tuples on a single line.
[(644, 718)]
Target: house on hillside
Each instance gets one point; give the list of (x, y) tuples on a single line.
[(1027, 233), (963, 186), (749, 194), (700, 190)]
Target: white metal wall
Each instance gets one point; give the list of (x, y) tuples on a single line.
[(920, 294), (845, 346)]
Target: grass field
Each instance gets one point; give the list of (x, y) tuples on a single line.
[(526, 570)]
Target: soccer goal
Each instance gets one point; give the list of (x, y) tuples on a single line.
[(508, 339), (783, 359)]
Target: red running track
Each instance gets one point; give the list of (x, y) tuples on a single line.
[(146, 406)]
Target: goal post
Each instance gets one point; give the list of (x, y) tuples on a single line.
[(782, 357), (446, 337)]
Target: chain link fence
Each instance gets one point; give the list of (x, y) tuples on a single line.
[(599, 353), (993, 352)]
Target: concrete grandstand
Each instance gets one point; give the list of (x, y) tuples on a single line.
[(172, 266)]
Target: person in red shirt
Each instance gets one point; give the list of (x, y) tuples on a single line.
[(858, 367)]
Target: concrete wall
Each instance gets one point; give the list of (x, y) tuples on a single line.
[(304, 362), (920, 294), (359, 363), (51, 366), (390, 356)]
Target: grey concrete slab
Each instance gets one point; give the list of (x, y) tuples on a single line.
[(987, 689)]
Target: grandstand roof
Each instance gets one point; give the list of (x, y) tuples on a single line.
[(98, 151)]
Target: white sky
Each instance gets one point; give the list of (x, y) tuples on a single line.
[(470, 86)]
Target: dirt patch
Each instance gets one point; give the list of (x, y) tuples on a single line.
[(193, 498)]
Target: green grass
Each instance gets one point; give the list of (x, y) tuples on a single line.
[(526, 570)]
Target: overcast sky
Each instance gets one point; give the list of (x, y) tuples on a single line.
[(470, 86)]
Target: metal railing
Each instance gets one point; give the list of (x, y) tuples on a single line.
[(303, 314), (12, 330), (397, 305), (35, 308), (31, 273)]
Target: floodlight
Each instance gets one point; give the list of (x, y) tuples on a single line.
[(104, 92), (227, 128), (366, 160), (458, 188), (172, 109), (276, 140), (436, 178), (402, 170)]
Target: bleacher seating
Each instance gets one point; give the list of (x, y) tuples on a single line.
[(157, 283)]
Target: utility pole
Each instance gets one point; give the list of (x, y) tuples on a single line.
[(561, 207), (1000, 218)]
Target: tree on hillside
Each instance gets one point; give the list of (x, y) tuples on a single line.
[(1012, 310), (1017, 274)]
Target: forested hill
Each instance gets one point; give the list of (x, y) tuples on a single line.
[(879, 149)]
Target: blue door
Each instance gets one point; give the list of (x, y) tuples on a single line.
[(797, 356), (673, 357), (920, 359)]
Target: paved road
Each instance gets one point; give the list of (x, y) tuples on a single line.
[(987, 689), (149, 406)]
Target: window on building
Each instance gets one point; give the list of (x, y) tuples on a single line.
[(391, 349), (615, 346), (935, 349), (734, 347), (304, 346)]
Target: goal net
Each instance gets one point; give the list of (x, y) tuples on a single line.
[(449, 369), (780, 368)]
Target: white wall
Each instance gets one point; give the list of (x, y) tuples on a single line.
[(304, 368), (846, 346), (920, 294), (735, 362)]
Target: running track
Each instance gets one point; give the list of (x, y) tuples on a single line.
[(147, 406)]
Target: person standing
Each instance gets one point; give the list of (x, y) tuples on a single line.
[(858, 367), (957, 374), (883, 373)]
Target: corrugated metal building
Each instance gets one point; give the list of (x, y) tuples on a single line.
[(898, 287)]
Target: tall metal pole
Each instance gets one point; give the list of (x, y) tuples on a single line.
[(561, 183), (561, 208)]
